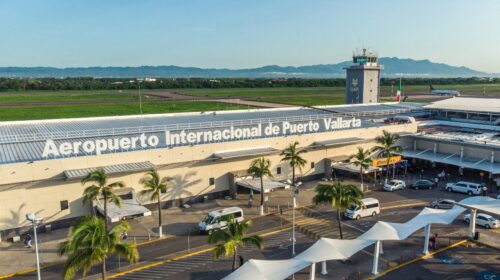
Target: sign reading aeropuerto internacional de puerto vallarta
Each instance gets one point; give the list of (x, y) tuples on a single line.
[(55, 148)]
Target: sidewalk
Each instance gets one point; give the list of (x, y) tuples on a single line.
[(15, 257)]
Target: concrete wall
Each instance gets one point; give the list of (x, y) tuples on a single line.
[(39, 187)]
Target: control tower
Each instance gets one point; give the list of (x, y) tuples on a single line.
[(363, 79)]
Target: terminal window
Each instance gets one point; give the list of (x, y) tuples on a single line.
[(312, 164), (211, 181), (64, 205), (278, 170)]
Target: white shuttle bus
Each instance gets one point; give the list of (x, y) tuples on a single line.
[(368, 207), (218, 219)]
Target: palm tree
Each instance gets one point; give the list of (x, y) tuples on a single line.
[(294, 159), (339, 196), (90, 244), (362, 160), (101, 188), (387, 147), (260, 168), (154, 186), (232, 237)]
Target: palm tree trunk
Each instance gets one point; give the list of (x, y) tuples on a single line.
[(160, 230), (105, 214), (234, 259), (103, 273), (387, 169), (261, 196), (361, 175), (340, 224)]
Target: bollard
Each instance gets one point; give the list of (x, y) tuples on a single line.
[(135, 241), (189, 247), (149, 236)]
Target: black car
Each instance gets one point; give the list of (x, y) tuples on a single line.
[(423, 184)]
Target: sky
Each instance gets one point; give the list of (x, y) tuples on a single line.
[(246, 33)]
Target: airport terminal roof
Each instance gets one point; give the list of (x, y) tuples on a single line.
[(468, 104), (22, 141)]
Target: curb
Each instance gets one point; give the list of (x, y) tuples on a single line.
[(146, 266), (416, 259)]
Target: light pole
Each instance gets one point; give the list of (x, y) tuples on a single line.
[(35, 221)]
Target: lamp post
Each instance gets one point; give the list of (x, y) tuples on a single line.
[(35, 221)]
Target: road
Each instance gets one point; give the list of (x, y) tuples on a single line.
[(398, 206)]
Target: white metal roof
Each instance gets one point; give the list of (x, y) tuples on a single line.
[(227, 154), (254, 184), (469, 104), (110, 169)]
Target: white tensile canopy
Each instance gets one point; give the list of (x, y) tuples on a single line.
[(336, 249), (267, 270), (483, 203), (333, 249)]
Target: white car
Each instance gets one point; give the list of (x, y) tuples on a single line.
[(393, 185), (464, 187), (484, 220)]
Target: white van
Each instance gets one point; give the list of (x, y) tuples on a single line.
[(218, 219), (369, 207)]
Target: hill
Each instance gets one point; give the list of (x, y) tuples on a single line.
[(392, 67)]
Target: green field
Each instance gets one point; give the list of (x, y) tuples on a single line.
[(304, 100), (61, 96), (258, 92), (61, 104), (10, 113)]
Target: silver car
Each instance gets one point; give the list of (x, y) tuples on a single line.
[(443, 203)]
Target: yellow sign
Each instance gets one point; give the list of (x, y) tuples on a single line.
[(383, 161)]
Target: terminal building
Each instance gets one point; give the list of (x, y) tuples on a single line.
[(206, 153)]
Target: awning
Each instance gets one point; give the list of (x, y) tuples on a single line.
[(254, 184), (244, 152), (110, 169), (350, 167), (336, 142), (128, 208), (403, 133), (483, 164)]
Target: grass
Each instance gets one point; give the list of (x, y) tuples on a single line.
[(261, 92), (304, 100), (57, 96), (99, 110)]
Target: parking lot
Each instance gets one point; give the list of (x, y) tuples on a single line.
[(478, 262)]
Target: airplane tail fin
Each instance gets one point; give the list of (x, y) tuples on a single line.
[(431, 88)]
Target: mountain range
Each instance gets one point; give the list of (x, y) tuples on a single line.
[(392, 67)]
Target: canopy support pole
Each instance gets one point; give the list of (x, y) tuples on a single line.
[(376, 252), (323, 268), (313, 271), (472, 223), (427, 230), (381, 247)]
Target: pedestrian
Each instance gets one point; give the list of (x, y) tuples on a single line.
[(250, 201), (485, 190), (434, 242), (436, 180), (241, 260), (27, 240)]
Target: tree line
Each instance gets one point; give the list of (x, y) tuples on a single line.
[(87, 83)]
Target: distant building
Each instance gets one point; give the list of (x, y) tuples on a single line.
[(363, 79)]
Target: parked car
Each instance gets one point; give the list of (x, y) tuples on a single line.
[(423, 184), (498, 196), (393, 185), (464, 187), (369, 207), (443, 203), (218, 219), (484, 220)]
